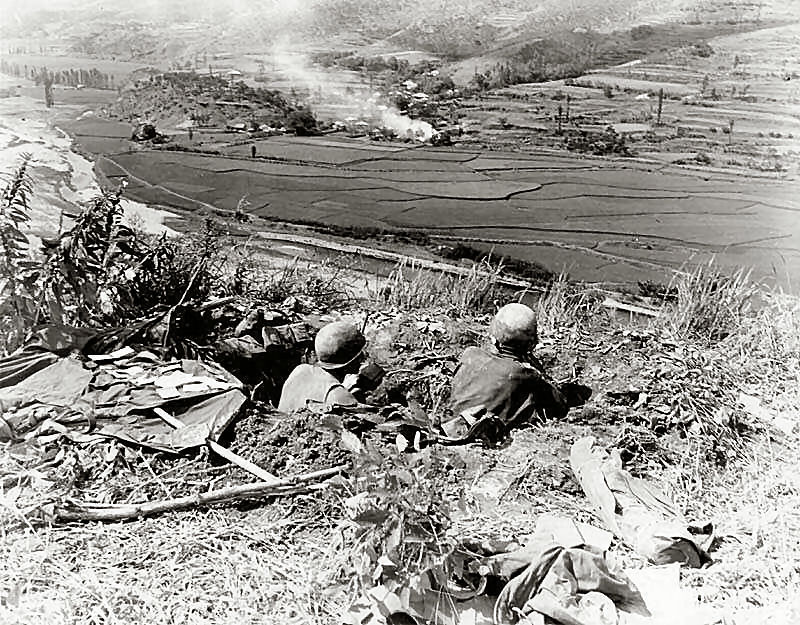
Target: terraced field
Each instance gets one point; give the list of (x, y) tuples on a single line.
[(600, 219), (749, 83)]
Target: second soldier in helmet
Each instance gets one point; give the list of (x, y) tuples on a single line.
[(505, 379), (337, 378)]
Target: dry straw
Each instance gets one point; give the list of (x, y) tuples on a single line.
[(410, 287)]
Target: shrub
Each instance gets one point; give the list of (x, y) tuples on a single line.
[(702, 50), (87, 264), (19, 275), (302, 122), (416, 237), (99, 273), (703, 158), (171, 271), (398, 522), (323, 283), (609, 142)]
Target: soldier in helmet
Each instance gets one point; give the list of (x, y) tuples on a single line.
[(503, 380), (330, 382)]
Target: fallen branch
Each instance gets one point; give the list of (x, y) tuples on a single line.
[(124, 512)]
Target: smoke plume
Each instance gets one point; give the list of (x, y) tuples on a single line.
[(341, 95)]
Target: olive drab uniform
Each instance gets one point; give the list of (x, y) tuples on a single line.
[(510, 389)]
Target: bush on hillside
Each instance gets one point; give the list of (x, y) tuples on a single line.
[(607, 143), (100, 272), (20, 276)]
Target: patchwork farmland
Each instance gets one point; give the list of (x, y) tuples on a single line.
[(598, 219), (711, 170)]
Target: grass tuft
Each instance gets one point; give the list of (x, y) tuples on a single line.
[(563, 305), (709, 304), (409, 287)]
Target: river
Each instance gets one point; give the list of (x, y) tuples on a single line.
[(62, 179)]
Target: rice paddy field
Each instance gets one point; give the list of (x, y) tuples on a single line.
[(608, 220), (693, 190), (749, 83)]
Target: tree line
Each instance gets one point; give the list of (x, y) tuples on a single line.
[(91, 78)]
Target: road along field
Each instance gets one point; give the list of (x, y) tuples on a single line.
[(612, 220)]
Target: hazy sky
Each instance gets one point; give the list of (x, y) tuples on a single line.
[(9, 7)]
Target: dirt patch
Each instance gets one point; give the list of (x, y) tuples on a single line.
[(286, 444)]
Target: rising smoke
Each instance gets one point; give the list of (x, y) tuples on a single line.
[(342, 95)]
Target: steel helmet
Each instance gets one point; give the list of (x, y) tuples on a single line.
[(514, 325), (338, 344)]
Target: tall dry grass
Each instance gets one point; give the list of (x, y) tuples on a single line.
[(564, 305), (260, 567), (755, 506), (709, 304), (767, 341), (755, 501), (410, 287)]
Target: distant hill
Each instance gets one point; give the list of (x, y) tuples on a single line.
[(456, 29)]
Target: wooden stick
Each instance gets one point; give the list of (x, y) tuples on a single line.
[(242, 463), (215, 303), (230, 456), (122, 512), (631, 308), (167, 417)]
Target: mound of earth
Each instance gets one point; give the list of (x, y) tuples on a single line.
[(286, 444)]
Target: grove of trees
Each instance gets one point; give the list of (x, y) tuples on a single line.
[(92, 78)]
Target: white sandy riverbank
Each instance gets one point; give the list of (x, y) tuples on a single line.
[(62, 179)]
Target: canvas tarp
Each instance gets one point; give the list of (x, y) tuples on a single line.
[(116, 397), (47, 343)]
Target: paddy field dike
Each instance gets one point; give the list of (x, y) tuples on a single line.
[(599, 219)]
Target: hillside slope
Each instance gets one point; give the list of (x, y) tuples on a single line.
[(454, 28)]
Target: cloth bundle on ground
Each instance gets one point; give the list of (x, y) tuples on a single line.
[(556, 575), (113, 395), (572, 585), (635, 510)]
